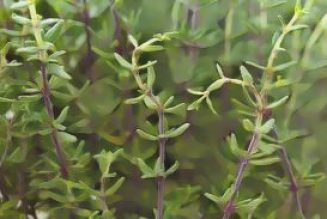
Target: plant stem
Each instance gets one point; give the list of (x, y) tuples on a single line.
[(161, 179), (90, 55), (289, 171), (229, 208), (161, 131), (46, 89), (54, 132)]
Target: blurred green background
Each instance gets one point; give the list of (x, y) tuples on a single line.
[(228, 31)]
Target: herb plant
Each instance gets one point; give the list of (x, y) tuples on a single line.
[(113, 109)]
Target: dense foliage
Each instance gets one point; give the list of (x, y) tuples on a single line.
[(175, 109)]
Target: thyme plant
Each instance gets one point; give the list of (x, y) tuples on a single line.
[(87, 125), (153, 102)]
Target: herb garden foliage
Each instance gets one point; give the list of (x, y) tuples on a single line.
[(175, 109)]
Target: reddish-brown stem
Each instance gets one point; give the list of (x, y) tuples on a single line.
[(291, 177), (229, 208), (161, 179), (121, 48), (89, 59), (54, 133)]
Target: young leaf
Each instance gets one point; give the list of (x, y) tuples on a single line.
[(176, 132), (133, 40), (135, 100), (250, 205), (20, 19), (123, 62), (232, 141), (58, 71), (248, 125), (282, 67), (19, 5), (247, 77), (145, 169), (159, 168), (176, 109), (267, 127), (150, 103), (216, 85), (209, 103), (113, 189), (145, 135), (220, 71), (151, 48), (151, 77), (172, 169), (63, 115), (265, 161), (278, 103), (169, 101), (54, 32)]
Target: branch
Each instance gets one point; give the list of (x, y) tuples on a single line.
[(54, 133), (289, 171)]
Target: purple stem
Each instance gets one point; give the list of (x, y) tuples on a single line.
[(290, 174), (229, 208), (54, 133)]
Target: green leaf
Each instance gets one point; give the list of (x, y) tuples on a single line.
[(63, 115), (284, 66), (209, 103), (176, 132), (146, 136), (298, 27), (54, 32), (276, 183), (232, 141), (58, 71), (195, 92), (20, 19), (133, 40), (66, 137), (250, 205), (275, 37), (151, 77), (175, 109), (6, 100), (216, 85), (265, 161), (145, 169), (19, 5), (223, 199), (255, 65), (278, 102), (28, 50), (123, 62), (135, 100), (29, 98), (220, 71), (267, 127), (151, 48), (159, 168), (169, 101), (247, 77), (105, 159), (298, 7), (114, 188), (248, 125), (196, 104), (172, 169), (147, 65), (149, 102)]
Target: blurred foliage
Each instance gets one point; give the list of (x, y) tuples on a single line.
[(97, 130)]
